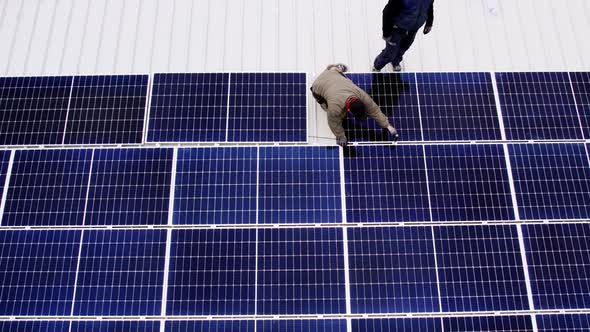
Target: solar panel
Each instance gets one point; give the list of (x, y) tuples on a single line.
[(129, 187), (38, 272), (299, 185), (468, 182), (27, 326), (267, 107), (480, 268), (558, 259), (385, 184), (581, 87), (490, 323), (216, 186), (561, 323), (107, 109), (212, 272), (552, 181), (33, 109), (114, 326), (189, 108), (210, 326), (4, 161), (392, 270), (300, 271), (120, 273), (457, 107), (396, 95), (47, 188), (538, 106), (326, 325), (397, 324)]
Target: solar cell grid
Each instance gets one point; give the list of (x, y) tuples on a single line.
[(33, 109), (328, 325), (559, 260), (114, 326), (120, 273), (28, 326), (396, 95), (392, 270), (299, 185), (129, 187), (210, 326), (38, 270), (552, 181), (212, 272), (385, 184), (480, 268), (581, 87), (563, 323), (491, 324), (538, 106), (267, 107), (47, 188), (300, 271), (216, 186), (397, 324), (189, 108), (468, 182), (107, 110), (457, 107)]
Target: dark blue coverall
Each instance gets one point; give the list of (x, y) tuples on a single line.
[(401, 21)]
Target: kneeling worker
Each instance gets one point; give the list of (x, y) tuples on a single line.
[(338, 95)]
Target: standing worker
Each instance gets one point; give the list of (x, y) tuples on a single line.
[(401, 21), (338, 96)]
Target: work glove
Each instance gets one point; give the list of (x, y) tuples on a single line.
[(427, 29), (341, 140)]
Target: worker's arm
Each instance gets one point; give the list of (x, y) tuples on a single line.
[(373, 110), (335, 119)]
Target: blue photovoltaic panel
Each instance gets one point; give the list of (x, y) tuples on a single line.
[(129, 187), (33, 109), (560, 323), (28, 326), (189, 108), (386, 184), (300, 271), (107, 110), (38, 271), (115, 326), (212, 272), (120, 273), (215, 186), (458, 107), (581, 85), (468, 182), (396, 95), (491, 324), (299, 185), (480, 268), (4, 160), (552, 181), (47, 188), (538, 106), (267, 107), (392, 270), (210, 326), (397, 324), (327, 325), (558, 257)]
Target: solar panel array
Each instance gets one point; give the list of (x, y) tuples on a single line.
[(478, 220)]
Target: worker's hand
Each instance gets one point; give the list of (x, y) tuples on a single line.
[(427, 29), (342, 141)]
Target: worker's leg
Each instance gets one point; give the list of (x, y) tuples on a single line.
[(390, 51), (405, 44)]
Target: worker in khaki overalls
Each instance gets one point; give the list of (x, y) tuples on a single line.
[(339, 96)]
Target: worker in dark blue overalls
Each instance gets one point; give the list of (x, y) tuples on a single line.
[(401, 21)]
